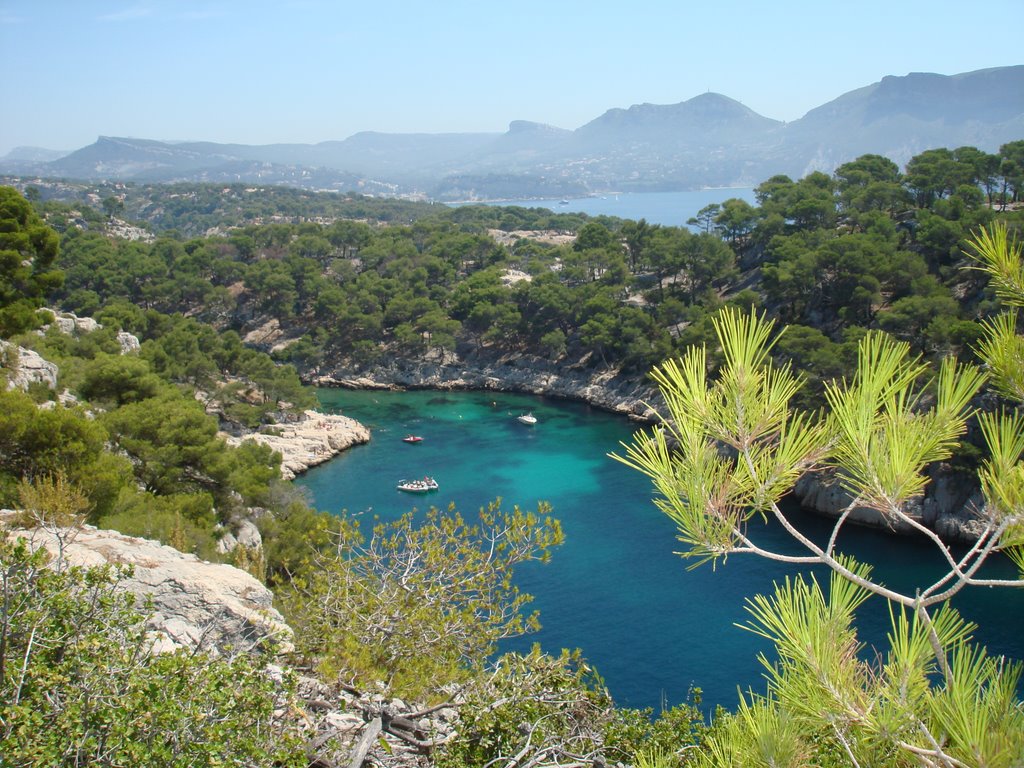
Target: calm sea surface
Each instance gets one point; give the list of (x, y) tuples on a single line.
[(614, 589), (666, 208)]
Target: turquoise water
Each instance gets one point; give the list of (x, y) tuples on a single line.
[(615, 588), (670, 209)]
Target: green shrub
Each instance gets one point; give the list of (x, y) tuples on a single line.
[(79, 685), (418, 606)]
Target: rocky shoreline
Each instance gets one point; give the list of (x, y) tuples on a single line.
[(950, 505), (308, 441), (609, 389)]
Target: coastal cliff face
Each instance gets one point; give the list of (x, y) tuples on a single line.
[(950, 506), (608, 389)]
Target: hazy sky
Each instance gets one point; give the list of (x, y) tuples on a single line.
[(305, 71)]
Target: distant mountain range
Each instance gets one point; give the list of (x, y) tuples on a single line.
[(707, 141)]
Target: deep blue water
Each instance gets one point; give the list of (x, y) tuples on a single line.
[(666, 208), (615, 589)]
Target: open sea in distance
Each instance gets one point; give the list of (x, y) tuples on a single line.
[(615, 589), (670, 209)]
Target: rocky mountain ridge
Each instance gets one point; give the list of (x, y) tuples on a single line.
[(708, 140)]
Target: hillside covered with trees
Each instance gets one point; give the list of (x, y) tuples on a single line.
[(354, 279)]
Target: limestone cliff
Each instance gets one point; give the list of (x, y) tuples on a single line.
[(610, 389), (194, 604), (25, 367), (950, 505)]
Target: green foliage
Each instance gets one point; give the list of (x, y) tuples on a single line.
[(1000, 256), (418, 605), (816, 356), (667, 740), (174, 448), (708, 492), (28, 249), (736, 219), (539, 709), (37, 443), (841, 251), (171, 441), (535, 708), (184, 521), (118, 380), (79, 685), (552, 344), (827, 706), (294, 536), (884, 437), (51, 502)]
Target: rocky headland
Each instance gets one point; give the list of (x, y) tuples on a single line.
[(311, 439), (198, 606)]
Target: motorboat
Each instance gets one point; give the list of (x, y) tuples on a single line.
[(418, 486), (527, 418), (412, 439)]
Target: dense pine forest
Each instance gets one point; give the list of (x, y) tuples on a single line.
[(238, 295), (355, 279)]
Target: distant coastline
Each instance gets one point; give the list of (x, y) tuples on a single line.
[(670, 209)]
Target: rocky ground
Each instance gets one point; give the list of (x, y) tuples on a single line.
[(195, 603)]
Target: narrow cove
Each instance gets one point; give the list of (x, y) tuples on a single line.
[(615, 589)]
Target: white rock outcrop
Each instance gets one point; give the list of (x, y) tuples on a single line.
[(71, 324), (246, 534), (129, 342), (194, 603), (315, 438), (28, 368)]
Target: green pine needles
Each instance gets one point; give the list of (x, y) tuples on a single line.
[(731, 445)]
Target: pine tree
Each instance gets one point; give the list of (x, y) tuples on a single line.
[(731, 446)]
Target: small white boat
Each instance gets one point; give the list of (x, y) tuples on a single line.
[(418, 486), (527, 418)]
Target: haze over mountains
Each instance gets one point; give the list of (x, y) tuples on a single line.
[(707, 141)]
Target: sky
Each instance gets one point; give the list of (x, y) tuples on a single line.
[(305, 71)]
